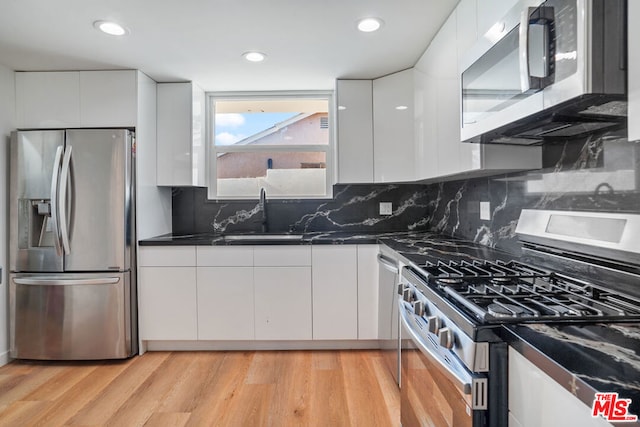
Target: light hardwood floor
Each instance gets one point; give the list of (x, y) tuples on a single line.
[(266, 388)]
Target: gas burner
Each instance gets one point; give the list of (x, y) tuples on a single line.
[(449, 281), (505, 310), (502, 280)]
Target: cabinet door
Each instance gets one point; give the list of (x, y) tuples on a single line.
[(335, 292), (163, 256), (225, 256), (367, 292), (447, 87), (47, 99), (282, 255), (355, 131), (425, 122), (181, 147), (535, 399), (393, 109), (108, 98), (282, 303), (225, 303), (167, 303), (490, 13), (467, 24)]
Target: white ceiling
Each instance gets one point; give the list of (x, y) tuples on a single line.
[(309, 43)]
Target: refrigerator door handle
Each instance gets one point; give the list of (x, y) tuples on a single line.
[(54, 281), (55, 220), (64, 181)]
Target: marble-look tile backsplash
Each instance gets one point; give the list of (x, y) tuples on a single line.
[(353, 208), (595, 174), (599, 173)]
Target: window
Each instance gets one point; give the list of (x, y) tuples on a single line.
[(281, 142)]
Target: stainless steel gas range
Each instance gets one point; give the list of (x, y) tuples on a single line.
[(454, 360)]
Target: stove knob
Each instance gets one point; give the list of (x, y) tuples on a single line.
[(418, 308), (433, 324), (445, 336), (407, 294)]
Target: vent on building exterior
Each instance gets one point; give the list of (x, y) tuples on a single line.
[(324, 122)]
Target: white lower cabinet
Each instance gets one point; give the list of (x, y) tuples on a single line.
[(368, 292), (167, 293), (335, 289), (168, 303), (264, 293), (535, 399), (225, 303), (282, 303)]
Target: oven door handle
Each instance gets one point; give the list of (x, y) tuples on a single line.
[(463, 380)]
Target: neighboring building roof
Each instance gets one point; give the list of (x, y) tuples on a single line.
[(275, 128)]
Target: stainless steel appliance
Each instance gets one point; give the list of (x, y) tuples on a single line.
[(72, 290), (552, 69), (452, 311), (388, 326)]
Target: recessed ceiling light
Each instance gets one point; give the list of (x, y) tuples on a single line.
[(111, 28), (401, 107), (368, 25), (341, 107), (254, 56)]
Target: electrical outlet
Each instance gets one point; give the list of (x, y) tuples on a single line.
[(485, 211), (386, 208)]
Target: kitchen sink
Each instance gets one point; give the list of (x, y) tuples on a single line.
[(262, 237)]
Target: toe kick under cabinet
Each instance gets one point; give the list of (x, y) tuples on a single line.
[(229, 295)]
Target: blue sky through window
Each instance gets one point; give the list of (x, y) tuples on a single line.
[(234, 127)]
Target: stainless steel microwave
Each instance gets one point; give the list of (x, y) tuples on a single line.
[(547, 70)]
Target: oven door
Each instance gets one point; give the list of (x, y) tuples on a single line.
[(437, 390)]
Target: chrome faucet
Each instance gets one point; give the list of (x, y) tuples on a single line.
[(262, 205)]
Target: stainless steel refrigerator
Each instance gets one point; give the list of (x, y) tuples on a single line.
[(72, 288)]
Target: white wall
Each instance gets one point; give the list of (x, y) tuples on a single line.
[(7, 124)]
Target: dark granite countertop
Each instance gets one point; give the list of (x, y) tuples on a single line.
[(217, 239), (584, 359)]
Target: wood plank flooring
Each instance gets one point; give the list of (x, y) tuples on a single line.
[(242, 388)]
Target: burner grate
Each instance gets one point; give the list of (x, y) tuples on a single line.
[(510, 291)]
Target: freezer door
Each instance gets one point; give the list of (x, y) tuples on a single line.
[(96, 207), (33, 232), (70, 317)]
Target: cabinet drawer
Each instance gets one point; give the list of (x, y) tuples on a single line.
[(224, 256), (164, 256), (282, 256)]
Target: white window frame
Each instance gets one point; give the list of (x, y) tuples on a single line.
[(212, 149)]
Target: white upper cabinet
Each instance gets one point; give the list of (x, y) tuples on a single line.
[(76, 99), (181, 135), (108, 98), (393, 141), (439, 152), (355, 131), (633, 70), (466, 15), (47, 99), (489, 13)]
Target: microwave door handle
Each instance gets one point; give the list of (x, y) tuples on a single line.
[(55, 179), (543, 16), (64, 213)]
